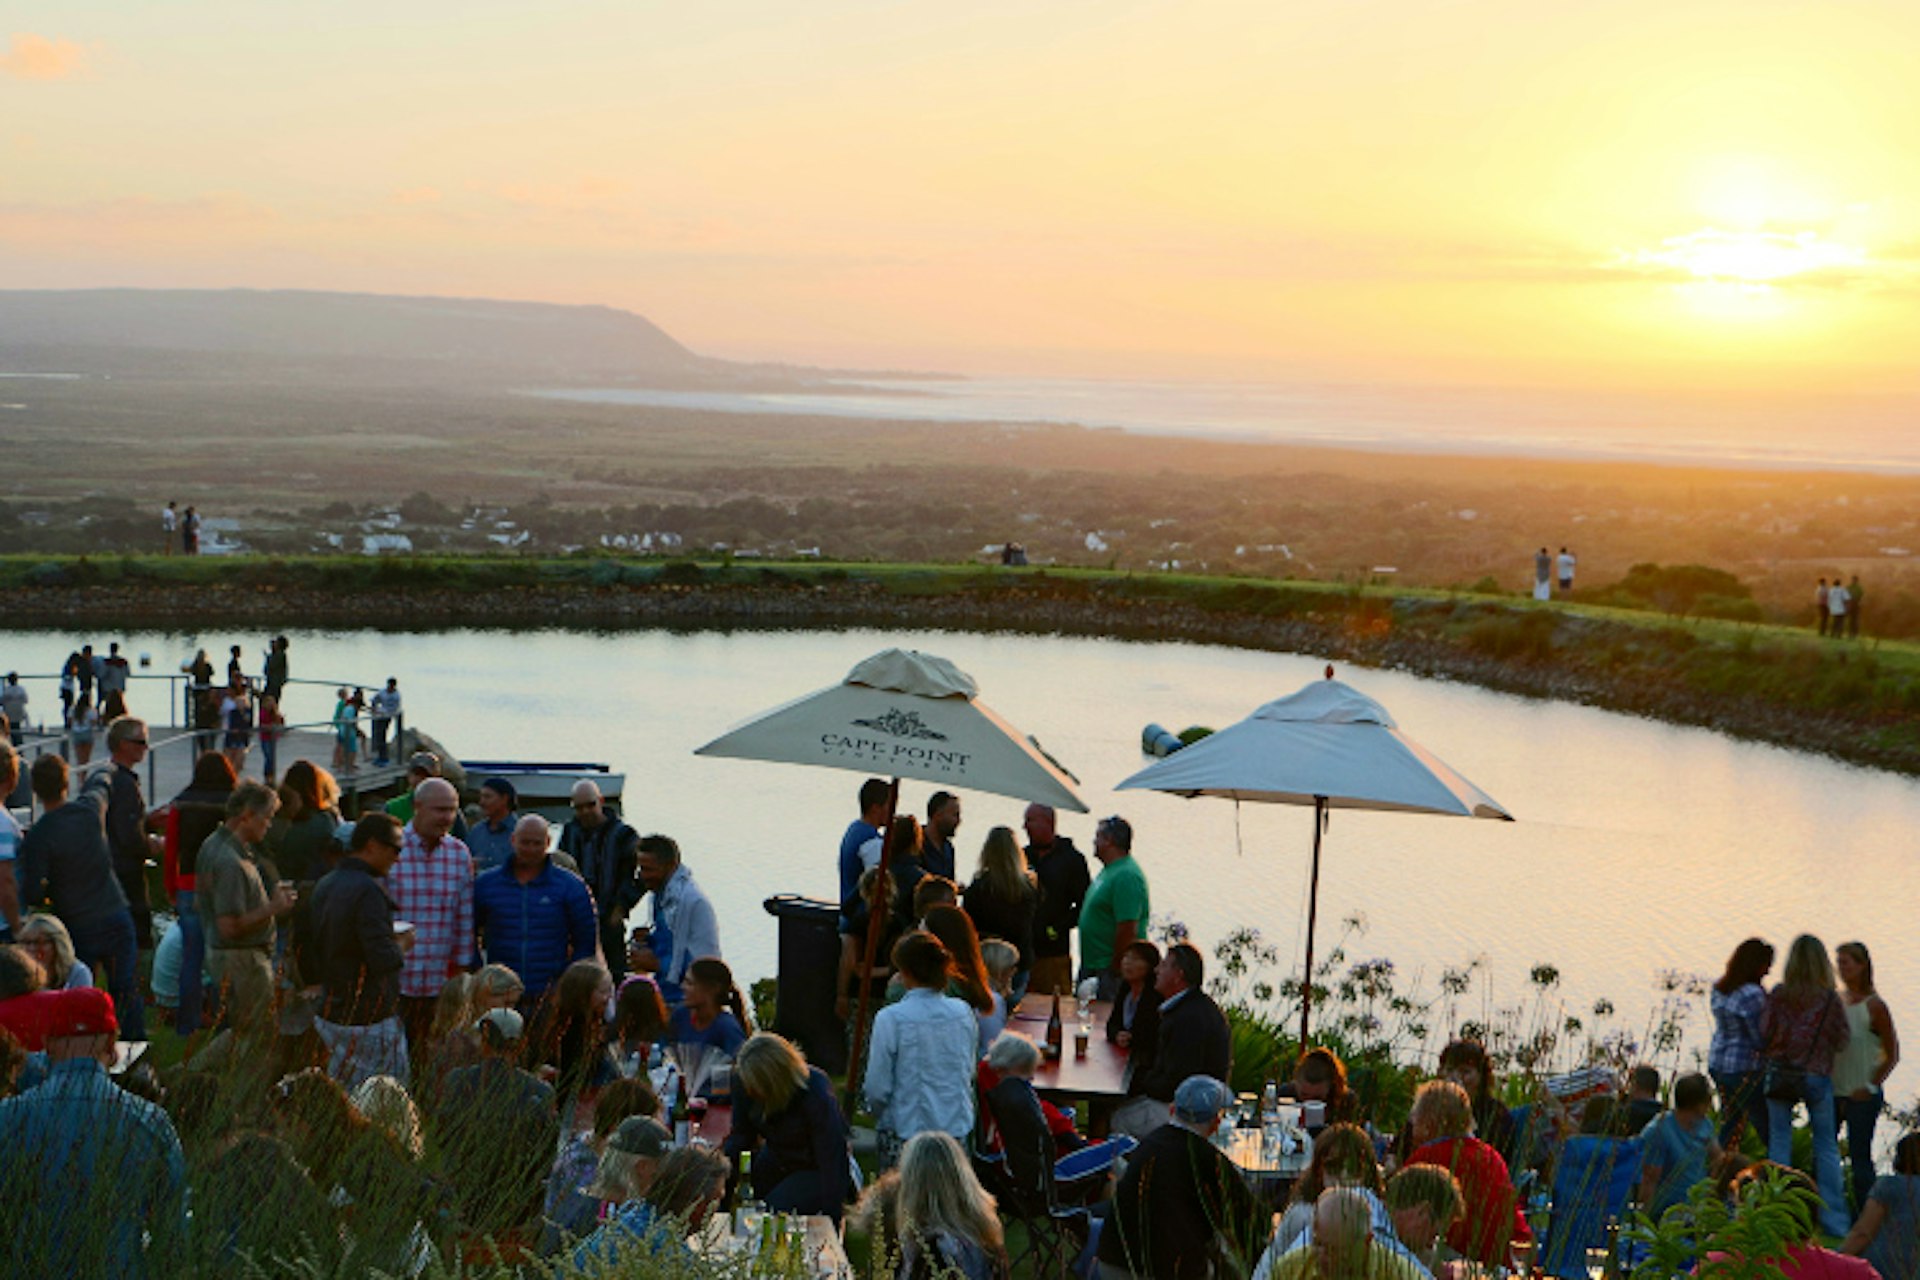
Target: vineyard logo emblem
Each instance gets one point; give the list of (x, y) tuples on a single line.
[(901, 724)]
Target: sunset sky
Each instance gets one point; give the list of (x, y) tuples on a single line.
[(1628, 194)]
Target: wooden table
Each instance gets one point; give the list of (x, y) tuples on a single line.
[(1100, 1077)]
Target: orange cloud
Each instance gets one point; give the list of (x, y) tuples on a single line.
[(33, 57)]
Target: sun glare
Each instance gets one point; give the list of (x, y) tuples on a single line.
[(1751, 257)]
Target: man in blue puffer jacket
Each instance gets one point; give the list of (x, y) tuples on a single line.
[(532, 916)]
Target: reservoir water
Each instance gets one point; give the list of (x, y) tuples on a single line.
[(1640, 848)]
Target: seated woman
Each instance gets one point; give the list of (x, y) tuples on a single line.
[(1805, 1257), (570, 1035), (1342, 1157), (1003, 961), (1442, 1127), (48, 941), (1465, 1062), (714, 1014), (26, 1006), (934, 1216), (660, 1207), (1888, 1232), (784, 1113), (1134, 1024), (1027, 1128), (1321, 1077), (640, 1027)]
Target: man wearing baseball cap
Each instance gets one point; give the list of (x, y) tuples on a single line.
[(1181, 1198), (94, 1181)]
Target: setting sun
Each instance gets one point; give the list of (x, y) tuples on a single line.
[(1754, 257)]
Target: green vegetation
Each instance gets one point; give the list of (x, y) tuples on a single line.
[(1859, 699)]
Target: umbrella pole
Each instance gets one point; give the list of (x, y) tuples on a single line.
[(876, 920), (1313, 917)]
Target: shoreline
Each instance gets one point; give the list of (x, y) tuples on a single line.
[(1852, 702)]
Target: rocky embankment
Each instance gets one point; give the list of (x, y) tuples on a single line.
[(1630, 668)]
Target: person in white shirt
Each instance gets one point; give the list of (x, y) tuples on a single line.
[(1837, 598), (1565, 563), (920, 1070), (169, 524), (385, 705), (685, 927)]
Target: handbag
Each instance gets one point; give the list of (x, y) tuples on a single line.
[(1787, 1081)]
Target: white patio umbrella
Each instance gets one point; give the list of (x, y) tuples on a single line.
[(1328, 746), (904, 714)]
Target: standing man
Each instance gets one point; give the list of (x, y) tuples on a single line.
[(1061, 871), (127, 822), (360, 958), (937, 857), (274, 676), (1194, 1039), (492, 841), (1542, 575), (531, 916), (1855, 592), (169, 527), (190, 532), (66, 864), (13, 704), (114, 672), (385, 706), (1820, 604), (432, 888), (1837, 609), (684, 929), (240, 903), (9, 844), (94, 1182), (1116, 911), (865, 828), (1564, 562), (607, 851), (421, 766)]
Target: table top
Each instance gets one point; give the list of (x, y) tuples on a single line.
[(1247, 1150), (825, 1251), (1101, 1074)]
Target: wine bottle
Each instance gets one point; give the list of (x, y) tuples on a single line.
[(682, 1116), (1056, 1032)]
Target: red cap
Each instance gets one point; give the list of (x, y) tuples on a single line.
[(82, 1011)]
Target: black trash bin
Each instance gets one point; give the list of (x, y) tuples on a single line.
[(809, 964)]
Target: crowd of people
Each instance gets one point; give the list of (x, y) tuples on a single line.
[(422, 1032)]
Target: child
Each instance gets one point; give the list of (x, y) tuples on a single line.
[(1678, 1146)]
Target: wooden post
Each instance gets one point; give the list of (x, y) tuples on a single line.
[(1313, 917)]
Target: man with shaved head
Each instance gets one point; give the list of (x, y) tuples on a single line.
[(531, 916), (607, 851), (1344, 1245), (432, 889), (1062, 872)]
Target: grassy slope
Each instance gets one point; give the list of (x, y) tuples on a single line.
[(1860, 700)]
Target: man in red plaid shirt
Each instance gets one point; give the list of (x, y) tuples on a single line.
[(432, 889)]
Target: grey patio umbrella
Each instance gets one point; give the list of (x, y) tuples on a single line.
[(907, 715), (1328, 746)]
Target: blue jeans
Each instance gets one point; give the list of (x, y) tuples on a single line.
[(1834, 1218), (1860, 1118), (1743, 1102), (193, 963), (109, 943)]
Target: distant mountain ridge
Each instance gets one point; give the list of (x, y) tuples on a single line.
[(501, 337)]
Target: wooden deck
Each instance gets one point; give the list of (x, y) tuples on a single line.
[(171, 757)]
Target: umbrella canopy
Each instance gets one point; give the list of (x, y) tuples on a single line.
[(1328, 742), (1329, 746), (910, 715)]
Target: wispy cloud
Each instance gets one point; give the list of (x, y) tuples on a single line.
[(34, 57), (417, 195)]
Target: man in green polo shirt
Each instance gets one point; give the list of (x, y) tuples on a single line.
[(238, 911), (1116, 909)]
